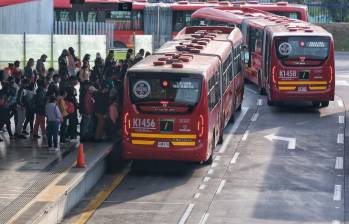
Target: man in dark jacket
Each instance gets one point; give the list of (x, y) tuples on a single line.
[(63, 64), (40, 103)]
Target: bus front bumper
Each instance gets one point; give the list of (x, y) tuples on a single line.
[(195, 153)]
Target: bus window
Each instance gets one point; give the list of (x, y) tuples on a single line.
[(214, 92), (180, 20), (227, 71), (292, 48), (138, 19), (237, 60), (91, 16), (62, 15), (121, 19), (174, 88), (79, 16), (292, 15)]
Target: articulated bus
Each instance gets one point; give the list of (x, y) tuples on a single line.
[(289, 59), (178, 100), (130, 17)]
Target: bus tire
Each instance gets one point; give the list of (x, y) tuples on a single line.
[(209, 161), (325, 103), (316, 104)]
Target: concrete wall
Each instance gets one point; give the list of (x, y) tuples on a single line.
[(34, 17), (340, 32)]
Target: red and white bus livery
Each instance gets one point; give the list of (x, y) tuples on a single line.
[(298, 64), (289, 59), (178, 101)]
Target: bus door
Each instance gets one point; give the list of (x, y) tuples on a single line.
[(266, 61)]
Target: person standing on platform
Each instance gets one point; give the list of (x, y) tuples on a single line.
[(40, 100), (40, 66), (54, 118)]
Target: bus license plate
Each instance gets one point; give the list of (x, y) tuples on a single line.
[(163, 145), (302, 89)]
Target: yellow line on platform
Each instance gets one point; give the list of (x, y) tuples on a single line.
[(101, 197)]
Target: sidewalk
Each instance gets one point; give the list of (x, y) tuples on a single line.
[(30, 174)]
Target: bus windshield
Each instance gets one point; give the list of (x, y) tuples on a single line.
[(173, 88), (294, 48)]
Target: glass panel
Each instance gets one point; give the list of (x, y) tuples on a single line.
[(61, 42), (122, 19), (91, 16), (11, 49), (165, 87), (91, 44), (138, 20), (308, 47), (36, 45)]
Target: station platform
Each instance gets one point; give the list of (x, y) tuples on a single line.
[(41, 186)]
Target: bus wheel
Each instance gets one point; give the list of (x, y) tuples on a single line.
[(316, 104), (325, 103), (209, 161)]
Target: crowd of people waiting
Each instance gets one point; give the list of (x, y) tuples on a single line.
[(48, 100)]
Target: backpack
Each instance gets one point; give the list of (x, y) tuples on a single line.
[(70, 107)]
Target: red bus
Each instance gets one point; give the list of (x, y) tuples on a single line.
[(178, 100), (138, 18), (290, 60)]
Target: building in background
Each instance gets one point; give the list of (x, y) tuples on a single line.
[(26, 16)]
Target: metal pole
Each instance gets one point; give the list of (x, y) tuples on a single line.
[(158, 27)]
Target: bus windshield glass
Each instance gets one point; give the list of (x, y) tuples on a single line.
[(294, 48), (173, 88)]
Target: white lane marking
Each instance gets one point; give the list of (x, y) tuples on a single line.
[(251, 90), (340, 138), (339, 163), (202, 186), (255, 117), (213, 165), (340, 103), (210, 171), (207, 179), (217, 158), (204, 218), (260, 102), (235, 158), (342, 83), (341, 119), (186, 214), (244, 137), (337, 194), (233, 129), (291, 141), (220, 187), (197, 195), (336, 222)]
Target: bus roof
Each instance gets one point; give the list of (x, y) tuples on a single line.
[(298, 29), (200, 62)]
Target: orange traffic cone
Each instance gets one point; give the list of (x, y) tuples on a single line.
[(80, 161)]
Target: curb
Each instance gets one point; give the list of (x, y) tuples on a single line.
[(67, 189)]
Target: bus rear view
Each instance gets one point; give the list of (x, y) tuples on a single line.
[(301, 65), (178, 100)]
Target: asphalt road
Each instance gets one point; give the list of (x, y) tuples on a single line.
[(276, 165)]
